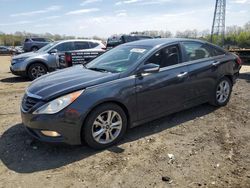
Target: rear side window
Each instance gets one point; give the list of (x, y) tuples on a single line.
[(39, 39), (27, 40), (216, 51), (166, 57), (81, 45), (93, 44), (196, 51)]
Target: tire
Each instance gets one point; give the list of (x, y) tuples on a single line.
[(34, 49), (222, 92), (93, 126), (36, 70)]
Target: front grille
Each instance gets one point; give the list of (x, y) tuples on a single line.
[(29, 102)]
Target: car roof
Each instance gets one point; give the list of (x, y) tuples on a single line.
[(79, 40), (160, 41)]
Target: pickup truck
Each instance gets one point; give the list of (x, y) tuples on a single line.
[(69, 59)]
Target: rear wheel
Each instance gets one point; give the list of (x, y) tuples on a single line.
[(222, 92), (36, 70), (105, 126)]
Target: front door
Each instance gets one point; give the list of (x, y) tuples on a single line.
[(162, 92)]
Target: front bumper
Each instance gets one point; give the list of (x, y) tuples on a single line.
[(18, 73), (64, 123), (18, 69)]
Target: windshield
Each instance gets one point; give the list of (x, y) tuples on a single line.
[(118, 59), (47, 47)]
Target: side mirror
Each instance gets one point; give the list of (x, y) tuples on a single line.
[(149, 68), (54, 51)]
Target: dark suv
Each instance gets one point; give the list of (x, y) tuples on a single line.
[(116, 40), (34, 44)]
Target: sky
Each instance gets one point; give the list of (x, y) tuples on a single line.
[(87, 18)]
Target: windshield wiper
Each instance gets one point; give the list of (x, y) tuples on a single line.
[(98, 69)]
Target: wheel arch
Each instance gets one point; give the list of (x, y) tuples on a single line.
[(230, 77)]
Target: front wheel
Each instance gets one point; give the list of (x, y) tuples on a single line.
[(105, 126), (222, 92), (36, 70)]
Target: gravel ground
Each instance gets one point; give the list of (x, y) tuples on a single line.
[(200, 147)]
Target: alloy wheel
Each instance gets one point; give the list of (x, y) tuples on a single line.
[(37, 71), (223, 91), (107, 127)]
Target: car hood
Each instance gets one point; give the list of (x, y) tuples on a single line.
[(68, 80), (26, 55)]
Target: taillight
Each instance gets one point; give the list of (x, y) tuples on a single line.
[(239, 61)]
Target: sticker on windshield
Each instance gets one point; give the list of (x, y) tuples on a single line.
[(138, 50)]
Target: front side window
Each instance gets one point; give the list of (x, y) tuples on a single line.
[(64, 47), (195, 51), (166, 57), (118, 59)]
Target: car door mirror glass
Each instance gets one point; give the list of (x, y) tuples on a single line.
[(149, 68)]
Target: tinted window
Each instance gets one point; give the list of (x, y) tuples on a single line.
[(39, 39), (81, 45), (93, 44), (64, 47), (196, 50), (216, 51), (130, 38), (114, 41), (27, 40), (166, 57)]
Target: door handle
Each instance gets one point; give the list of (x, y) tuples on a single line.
[(215, 64), (181, 75)]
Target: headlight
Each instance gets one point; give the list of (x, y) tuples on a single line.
[(14, 61), (58, 104)]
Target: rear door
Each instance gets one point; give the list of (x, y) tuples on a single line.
[(202, 68), (81, 45), (162, 92)]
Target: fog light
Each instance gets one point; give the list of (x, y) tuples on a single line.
[(51, 133)]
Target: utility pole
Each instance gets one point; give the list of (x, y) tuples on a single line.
[(218, 28)]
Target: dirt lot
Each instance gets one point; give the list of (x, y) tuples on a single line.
[(211, 148)]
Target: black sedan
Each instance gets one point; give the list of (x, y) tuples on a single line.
[(127, 86)]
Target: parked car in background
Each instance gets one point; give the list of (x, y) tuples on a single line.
[(4, 50), (35, 43), (36, 64), (116, 40), (18, 50), (127, 86)]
